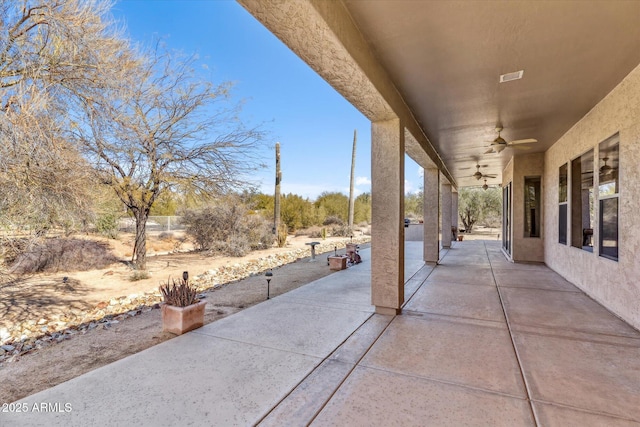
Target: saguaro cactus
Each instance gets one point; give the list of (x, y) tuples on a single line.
[(276, 204), (353, 172)]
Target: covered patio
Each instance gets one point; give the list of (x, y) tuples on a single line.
[(541, 99), (482, 341)]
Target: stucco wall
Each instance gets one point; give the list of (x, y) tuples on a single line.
[(614, 284), (414, 233), (507, 177), (529, 249)]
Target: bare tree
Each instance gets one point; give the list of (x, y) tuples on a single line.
[(62, 46), (165, 128), (52, 53), (42, 177)]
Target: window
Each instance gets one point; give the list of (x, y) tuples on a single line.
[(582, 202), (532, 206), (608, 195), (562, 211), (506, 218)]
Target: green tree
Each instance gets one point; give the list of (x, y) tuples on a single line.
[(363, 208), (413, 204), (333, 204), (262, 203), (477, 205), (297, 212), (167, 204)]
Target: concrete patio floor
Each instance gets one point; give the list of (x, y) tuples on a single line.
[(481, 341)]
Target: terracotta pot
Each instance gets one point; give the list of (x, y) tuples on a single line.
[(179, 320), (337, 262), (460, 238)]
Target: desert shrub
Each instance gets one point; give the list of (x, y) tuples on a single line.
[(12, 248), (227, 229), (138, 275), (238, 246), (61, 254), (107, 225), (314, 232), (341, 231), (333, 220), (259, 233), (166, 236)]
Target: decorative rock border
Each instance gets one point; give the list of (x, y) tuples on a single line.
[(34, 334)]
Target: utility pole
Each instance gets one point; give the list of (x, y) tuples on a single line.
[(276, 202), (353, 173)]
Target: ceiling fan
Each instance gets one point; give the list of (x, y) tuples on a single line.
[(479, 175), (606, 169), (499, 144), (485, 186)]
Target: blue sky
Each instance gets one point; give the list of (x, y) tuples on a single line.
[(312, 122)]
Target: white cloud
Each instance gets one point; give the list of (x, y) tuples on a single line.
[(421, 172), (363, 180), (408, 187)]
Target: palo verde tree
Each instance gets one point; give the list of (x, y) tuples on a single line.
[(165, 128)]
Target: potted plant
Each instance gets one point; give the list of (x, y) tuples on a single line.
[(182, 311)]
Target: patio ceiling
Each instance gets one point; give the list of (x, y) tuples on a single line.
[(445, 58), (437, 65)]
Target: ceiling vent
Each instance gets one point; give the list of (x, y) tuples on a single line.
[(516, 75)]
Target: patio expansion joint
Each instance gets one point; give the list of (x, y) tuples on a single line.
[(451, 383), (328, 358), (327, 304), (586, 411), (452, 318), (433, 268), (513, 343), (598, 337), (533, 288), (208, 335)]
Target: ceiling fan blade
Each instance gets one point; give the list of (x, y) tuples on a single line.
[(489, 176), (489, 151), (518, 147), (522, 141)]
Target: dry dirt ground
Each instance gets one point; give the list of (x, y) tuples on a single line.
[(45, 367)]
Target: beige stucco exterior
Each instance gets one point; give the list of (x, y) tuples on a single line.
[(384, 57), (387, 239), (614, 284), (525, 249)]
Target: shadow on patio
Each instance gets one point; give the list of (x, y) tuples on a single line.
[(481, 341)]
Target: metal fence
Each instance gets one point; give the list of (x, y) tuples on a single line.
[(154, 223)]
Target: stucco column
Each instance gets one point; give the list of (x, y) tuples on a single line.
[(576, 200), (445, 195), (431, 248), (387, 216), (454, 210)]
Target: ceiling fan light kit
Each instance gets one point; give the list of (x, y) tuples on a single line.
[(606, 169), (499, 144)]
